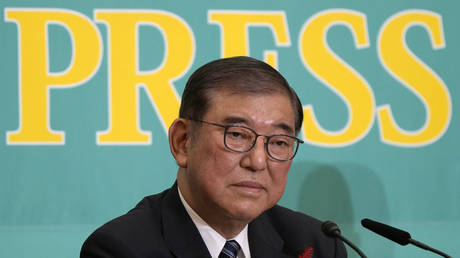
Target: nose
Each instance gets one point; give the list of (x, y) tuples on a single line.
[(255, 159)]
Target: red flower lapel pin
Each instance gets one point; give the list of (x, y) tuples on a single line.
[(308, 253)]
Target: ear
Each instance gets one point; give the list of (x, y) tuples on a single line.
[(179, 138)]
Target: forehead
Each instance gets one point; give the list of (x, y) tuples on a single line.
[(258, 111)]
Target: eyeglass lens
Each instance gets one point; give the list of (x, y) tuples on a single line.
[(242, 139)]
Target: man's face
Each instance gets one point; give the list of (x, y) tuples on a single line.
[(233, 185)]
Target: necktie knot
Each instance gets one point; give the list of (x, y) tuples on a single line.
[(230, 249)]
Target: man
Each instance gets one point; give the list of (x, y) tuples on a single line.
[(234, 142)]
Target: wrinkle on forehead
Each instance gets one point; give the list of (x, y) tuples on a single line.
[(257, 111), (241, 120)]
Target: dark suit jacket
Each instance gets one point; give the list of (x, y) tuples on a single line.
[(159, 227)]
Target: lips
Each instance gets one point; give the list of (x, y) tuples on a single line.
[(250, 187), (250, 184)]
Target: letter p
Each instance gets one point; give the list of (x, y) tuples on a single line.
[(35, 79)]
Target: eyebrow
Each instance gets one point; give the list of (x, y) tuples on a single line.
[(235, 120), (238, 120), (285, 127)]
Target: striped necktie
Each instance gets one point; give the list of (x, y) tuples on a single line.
[(230, 249)]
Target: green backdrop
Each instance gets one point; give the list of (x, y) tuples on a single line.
[(53, 193)]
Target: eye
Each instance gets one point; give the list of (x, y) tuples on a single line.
[(280, 143), (235, 134)]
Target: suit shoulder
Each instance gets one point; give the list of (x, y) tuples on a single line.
[(130, 233), (299, 230), (141, 218), (293, 222)]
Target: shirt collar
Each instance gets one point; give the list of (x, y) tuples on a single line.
[(213, 240)]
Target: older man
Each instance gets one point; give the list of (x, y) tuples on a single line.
[(234, 142)]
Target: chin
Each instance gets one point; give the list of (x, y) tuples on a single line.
[(247, 212)]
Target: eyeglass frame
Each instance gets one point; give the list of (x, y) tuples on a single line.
[(267, 137)]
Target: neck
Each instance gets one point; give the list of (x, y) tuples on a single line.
[(230, 230)]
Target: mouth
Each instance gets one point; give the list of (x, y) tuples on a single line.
[(249, 187)]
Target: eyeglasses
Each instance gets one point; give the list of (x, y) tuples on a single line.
[(241, 139)]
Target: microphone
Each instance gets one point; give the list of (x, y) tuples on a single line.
[(331, 229), (397, 235)]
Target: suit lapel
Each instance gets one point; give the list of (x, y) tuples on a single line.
[(181, 234), (264, 240)]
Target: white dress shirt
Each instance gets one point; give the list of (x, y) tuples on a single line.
[(213, 240)]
